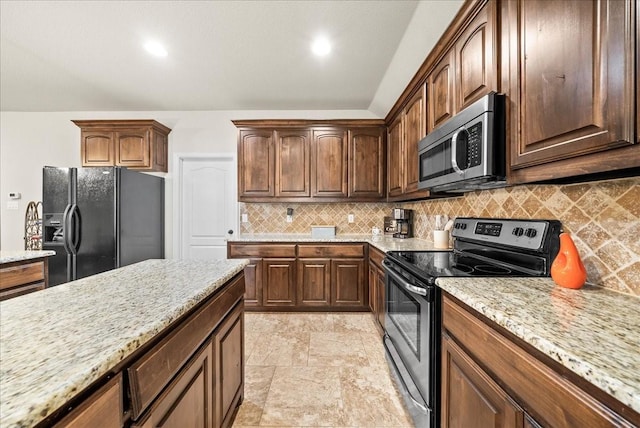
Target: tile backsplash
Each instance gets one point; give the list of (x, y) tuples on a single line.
[(603, 218)]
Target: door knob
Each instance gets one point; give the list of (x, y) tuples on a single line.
[(230, 232)]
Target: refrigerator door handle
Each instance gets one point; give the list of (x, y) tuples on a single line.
[(66, 229), (74, 239)]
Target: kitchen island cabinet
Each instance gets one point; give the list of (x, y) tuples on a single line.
[(160, 339), (523, 352), (22, 272)]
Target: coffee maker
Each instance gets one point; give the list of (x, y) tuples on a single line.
[(404, 223)]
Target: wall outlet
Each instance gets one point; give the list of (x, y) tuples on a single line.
[(350, 218), (245, 218), (289, 219)]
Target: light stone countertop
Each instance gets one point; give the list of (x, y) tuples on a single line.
[(382, 242), (56, 342), (593, 332), (20, 255)]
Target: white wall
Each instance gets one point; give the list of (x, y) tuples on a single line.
[(29, 141)]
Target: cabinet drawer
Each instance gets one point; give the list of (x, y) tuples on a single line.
[(261, 250), (337, 250), (21, 274), (104, 408), (19, 291), (376, 256), (551, 398), (149, 375)]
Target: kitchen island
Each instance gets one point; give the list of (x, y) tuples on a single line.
[(62, 344), (570, 357), (23, 272)]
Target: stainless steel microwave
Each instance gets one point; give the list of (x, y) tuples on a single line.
[(468, 151)]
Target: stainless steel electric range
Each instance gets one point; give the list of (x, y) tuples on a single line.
[(483, 247)]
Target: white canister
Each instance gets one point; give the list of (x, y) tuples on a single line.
[(441, 239)]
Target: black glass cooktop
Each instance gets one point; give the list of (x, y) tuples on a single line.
[(427, 264)]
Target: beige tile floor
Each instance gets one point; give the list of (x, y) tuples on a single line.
[(317, 370)]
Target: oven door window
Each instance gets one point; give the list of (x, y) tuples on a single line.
[(404, 310), (436, 161)]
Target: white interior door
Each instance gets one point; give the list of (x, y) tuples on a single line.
[(208, 206)]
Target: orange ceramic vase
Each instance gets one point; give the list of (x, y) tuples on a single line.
[(567, 269)]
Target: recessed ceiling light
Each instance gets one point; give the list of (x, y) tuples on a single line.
[(155, 49), (321, 46)]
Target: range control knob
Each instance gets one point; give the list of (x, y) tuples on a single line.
[(530, 233), (463, 226), (518, 231)]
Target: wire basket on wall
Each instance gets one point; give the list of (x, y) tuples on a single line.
[(33, 227)]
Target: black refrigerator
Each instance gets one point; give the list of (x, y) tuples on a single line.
[(97, 219)]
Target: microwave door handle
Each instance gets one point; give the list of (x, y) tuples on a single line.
[(454, 151)]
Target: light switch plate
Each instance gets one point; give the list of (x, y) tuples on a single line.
[(12, 205), (245, 218)]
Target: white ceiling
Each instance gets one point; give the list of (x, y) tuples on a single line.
[(223, 55)]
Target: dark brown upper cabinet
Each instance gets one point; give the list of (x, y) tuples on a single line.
[(311, 161), (135, 144), (403, 135), (395, 157), (366, 162), (329, 160), (571, 87), (441, 91), (256, 166), (476, 58), (292, 163)]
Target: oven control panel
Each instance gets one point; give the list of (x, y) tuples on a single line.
[(526, 234)]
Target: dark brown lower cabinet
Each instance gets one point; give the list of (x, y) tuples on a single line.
[(278, 286), (103, 408), (22, 277), (304, 276), (253, 280), (470, 397), (347, 282), (376, 287), (314, 282), (490, 378)]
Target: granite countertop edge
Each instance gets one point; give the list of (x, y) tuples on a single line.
[(598, 373), (9, 256), (383, 243), (18, 408)]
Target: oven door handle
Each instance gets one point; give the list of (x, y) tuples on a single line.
[(405, 284), (418, 404)]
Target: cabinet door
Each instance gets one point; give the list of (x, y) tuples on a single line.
[(573, 94), (160, 144), (228, 351), (395, 156), (278, 287), (476, 59), (441, 91), (253, 283), (313, 284), (98, 148), (256, 161), (133, 148), (380, 296), (292, 163), (373, 284), (347, 282), (366, 163), (187, 401), (414, 130), (329, 163), (470, 398)]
